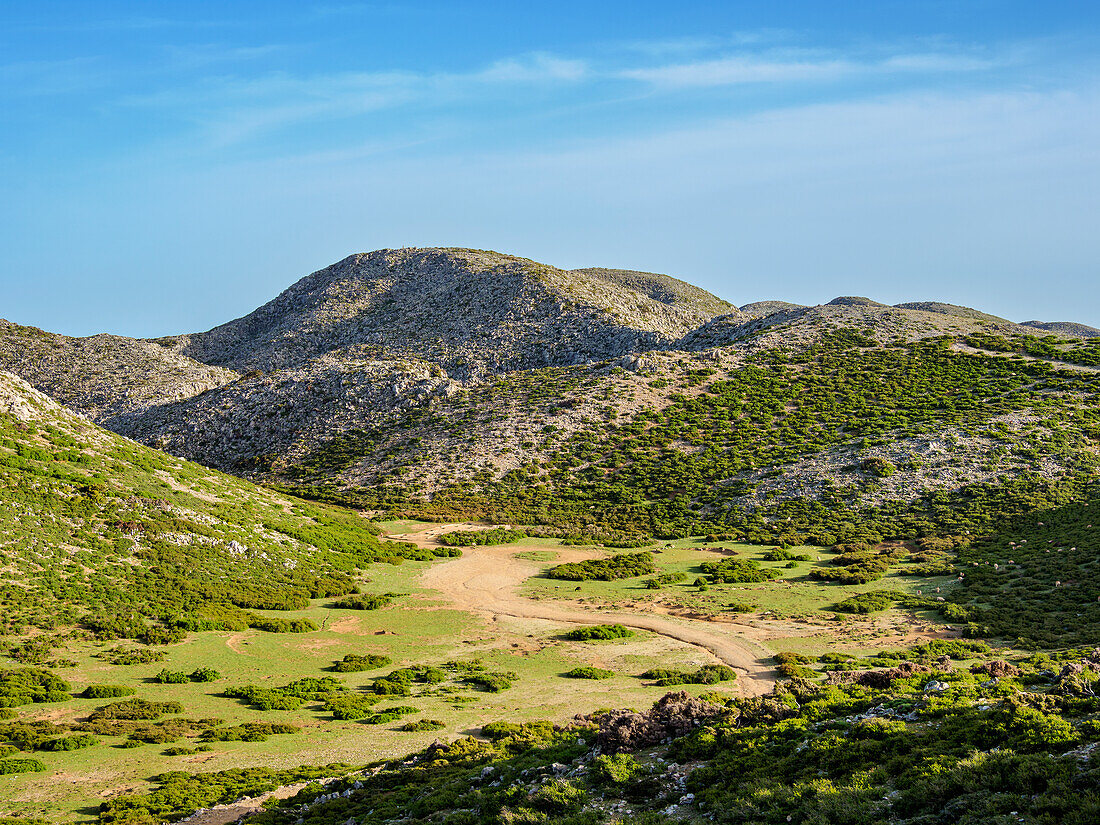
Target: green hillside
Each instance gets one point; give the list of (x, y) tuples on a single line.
[(128, 542)]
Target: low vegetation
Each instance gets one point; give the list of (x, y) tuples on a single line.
[(622, 566)]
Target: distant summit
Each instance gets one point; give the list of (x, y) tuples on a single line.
[(468, 311), (1065, 328), (941, 308)]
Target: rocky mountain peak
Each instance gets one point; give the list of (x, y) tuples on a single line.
[(467, 310)]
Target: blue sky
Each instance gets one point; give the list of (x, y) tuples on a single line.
[(168, 166)]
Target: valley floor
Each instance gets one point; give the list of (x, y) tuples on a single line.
[(489, 605), (486, 580)]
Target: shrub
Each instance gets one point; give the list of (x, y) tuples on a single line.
[(733, 571), (204, 674), (491, 682), (264, 698), (350, 706), (877, 466), (132, 709), (384, 715), (365, 601), (469, 538), (558, 797), (621, 566), (706, 675), (865, 603), (12, 766), (171, 677), (69, 743), (599, 631), (355, 663), (795, 671), (26, 685), (740, 607), (107, 691), (422, 725), (248, 732), (178, 751), (589, 673), (615, 768)]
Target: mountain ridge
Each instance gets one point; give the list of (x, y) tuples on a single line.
[(361, 373)]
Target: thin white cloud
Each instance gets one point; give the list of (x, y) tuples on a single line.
[(752, 68), (232, 109), (199, 55), (536, 68), (728, 71), (236, 108)]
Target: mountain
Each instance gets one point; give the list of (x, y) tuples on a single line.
[(469, 312), (418, 374)]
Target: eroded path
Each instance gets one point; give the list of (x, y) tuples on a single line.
[(486, 580)]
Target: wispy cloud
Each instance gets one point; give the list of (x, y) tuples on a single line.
[(756, 68), (728, 71), (535, 68), (232, 109), (202, 55)]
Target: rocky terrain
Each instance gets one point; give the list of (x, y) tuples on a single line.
[(470, 312), (422, 368), (104, 376)]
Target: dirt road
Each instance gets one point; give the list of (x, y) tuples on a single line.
[(487, 579)]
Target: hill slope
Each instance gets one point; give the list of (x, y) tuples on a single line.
[(105, 377), (134, 543)]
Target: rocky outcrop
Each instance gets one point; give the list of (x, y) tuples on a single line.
[(673, 715)]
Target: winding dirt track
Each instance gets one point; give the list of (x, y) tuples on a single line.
[(486, 580)]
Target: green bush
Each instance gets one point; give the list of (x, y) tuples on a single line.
[(422, 725), (877, 466), (171, 677), (14, 766), (705, 675), (392, 714), (350, 706), (615, 768), (865, 603), (248, 732), (621, 566), (732, 571), (69, 743), (25, 685), (589, 673), (469, 538), (355, 663), (107, 691), (365, 601), (598, 632)]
